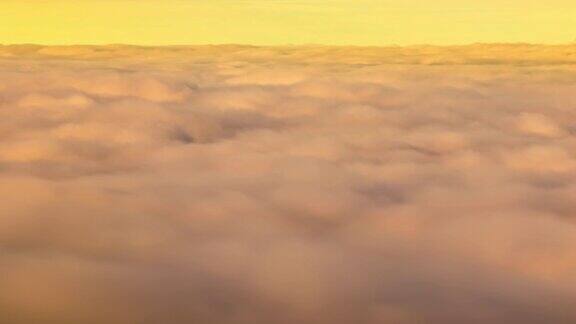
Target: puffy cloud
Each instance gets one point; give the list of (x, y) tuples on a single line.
[(240, 184)]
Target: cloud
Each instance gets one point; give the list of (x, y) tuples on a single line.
[(241, 184)]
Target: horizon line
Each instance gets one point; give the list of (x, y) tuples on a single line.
[(573, 43)]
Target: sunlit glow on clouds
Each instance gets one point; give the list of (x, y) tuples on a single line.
[(357, 22), (286, 185)]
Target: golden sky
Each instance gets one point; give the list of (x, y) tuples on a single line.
[(342, 22)]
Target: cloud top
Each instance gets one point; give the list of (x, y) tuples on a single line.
[(238, 184)]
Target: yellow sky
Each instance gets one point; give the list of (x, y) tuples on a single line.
[(355, 22)]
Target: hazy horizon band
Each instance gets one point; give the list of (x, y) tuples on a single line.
[(330, 22)]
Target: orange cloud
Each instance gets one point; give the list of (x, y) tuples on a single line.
[(314, 184)]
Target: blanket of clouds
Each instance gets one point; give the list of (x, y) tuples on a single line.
[(312, 185)]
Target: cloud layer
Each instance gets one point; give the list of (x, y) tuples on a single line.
[(241, 184)]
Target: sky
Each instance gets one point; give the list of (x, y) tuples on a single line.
[(280, 22)]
